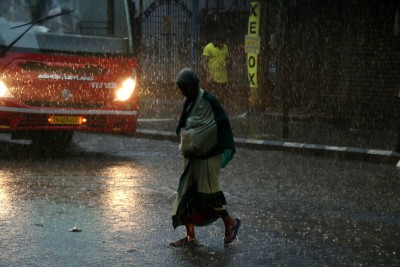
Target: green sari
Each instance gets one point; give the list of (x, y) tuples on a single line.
[(199, 198)]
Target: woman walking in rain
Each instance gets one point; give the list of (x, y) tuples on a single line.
[(207, 145)]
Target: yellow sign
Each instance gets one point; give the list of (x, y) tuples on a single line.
[(252, 43)]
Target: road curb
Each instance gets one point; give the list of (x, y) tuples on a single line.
[(366, 154)]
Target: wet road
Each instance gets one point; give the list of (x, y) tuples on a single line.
[(296, 210)]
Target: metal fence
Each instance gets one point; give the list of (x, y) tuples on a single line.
[(165, 39)]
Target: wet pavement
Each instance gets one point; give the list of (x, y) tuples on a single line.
[(296, 210)]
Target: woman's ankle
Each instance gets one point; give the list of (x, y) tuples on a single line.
[(191, 238)]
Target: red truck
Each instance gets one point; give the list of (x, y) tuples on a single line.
[(65, 66)]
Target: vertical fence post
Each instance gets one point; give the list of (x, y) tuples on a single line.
[(193, 31), (285, 67)]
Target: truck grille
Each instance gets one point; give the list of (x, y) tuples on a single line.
[(43, 66), (43, 104)]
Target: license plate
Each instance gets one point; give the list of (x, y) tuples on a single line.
[(65, 120)]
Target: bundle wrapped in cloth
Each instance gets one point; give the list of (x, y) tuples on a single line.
[(205, 130), (199, 135)]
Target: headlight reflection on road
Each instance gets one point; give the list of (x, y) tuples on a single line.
[(5, 196), (121, 199)]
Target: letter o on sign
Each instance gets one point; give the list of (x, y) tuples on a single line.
[(252, 62)]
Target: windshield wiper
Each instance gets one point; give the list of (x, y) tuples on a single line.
[(31, 24), (43, 19)]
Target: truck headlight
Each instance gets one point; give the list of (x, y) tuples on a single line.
[(126, 90), (4, 92)]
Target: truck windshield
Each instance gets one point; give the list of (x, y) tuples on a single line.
[(94, 26)]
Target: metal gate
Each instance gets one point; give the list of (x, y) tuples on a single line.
[(165, 40)]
